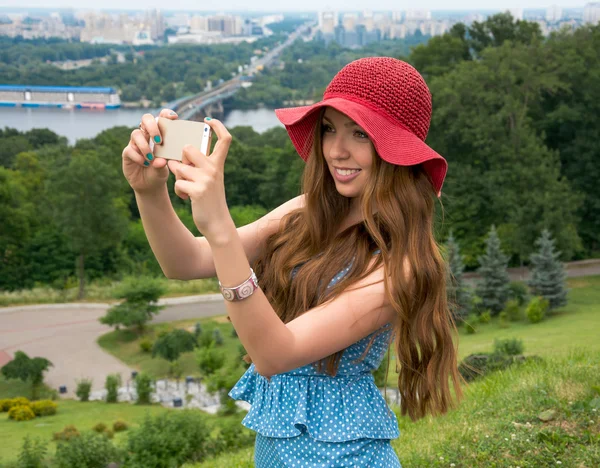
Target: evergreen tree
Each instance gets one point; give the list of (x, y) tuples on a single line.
[(493, 288), (458, 295), (547, 272)]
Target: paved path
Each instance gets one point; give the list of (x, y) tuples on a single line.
[(66, 335)]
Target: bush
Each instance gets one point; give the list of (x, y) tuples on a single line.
[(120, 426), (218, 337), (100, 428), (149, 445), (32, 453), (87, 451), (146, 345), (84, 388), (510, 346), (233, 333), (481, 364), (109, 433), (485, 317), (68, 433), (7, 403), (143, 386), (536, 309), (205, 339), (518, 292), (470, 320), (112, 384), (209, 360), (503, 320), (44, 408), (21, 413), (513, 310)]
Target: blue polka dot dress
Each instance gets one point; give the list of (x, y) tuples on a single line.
[(307, 419)]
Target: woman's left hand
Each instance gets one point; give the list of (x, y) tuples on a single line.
[(201, 179)]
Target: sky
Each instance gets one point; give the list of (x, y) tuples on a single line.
[(304, 5)]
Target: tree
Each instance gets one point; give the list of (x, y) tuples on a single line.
[(494, 286), (458, 295), (547, 272), (25, 368), (172, 345), (87, 207), (140, 296)]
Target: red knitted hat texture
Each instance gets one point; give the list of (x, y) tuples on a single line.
[(389, 99)]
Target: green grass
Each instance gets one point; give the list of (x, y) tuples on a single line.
[(125, 345), (83, 415), (101, 290), (497, 424)]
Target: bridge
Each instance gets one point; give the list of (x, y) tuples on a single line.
[(210, 102)]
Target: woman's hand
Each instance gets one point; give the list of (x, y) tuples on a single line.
[(201, 179), (145, 173)]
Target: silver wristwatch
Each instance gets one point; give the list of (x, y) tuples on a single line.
[(242, 291)]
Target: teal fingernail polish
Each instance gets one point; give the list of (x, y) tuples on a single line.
[(208, 118), (150, 157), (157, 139), (146, 163)]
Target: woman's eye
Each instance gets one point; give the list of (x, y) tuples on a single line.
[(361, 134), (326, 127)]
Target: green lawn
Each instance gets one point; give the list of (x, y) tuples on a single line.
[(125, 345), (497, 424), (83, 415)]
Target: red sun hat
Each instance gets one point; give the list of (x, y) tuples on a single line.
[(390, 100)]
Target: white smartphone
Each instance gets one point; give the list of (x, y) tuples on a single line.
[(178, 133)]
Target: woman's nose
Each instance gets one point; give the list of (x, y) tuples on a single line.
[(338, 149)]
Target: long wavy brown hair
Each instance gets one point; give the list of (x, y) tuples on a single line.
[(402, 228)]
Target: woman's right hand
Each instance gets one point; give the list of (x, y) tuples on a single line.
[(144, 172)]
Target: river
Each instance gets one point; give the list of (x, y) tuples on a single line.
[(84, 123)]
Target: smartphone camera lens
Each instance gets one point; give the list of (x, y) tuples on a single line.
[(205, 130)]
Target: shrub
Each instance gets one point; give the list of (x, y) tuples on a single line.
[(233, 333), (218, 337), (143, 386), (209, 359), (469, 324), (5, 405), (146, 345), (503, 320), (100, 428), (205, 339), (87, 451), (112, 384), (84, 387), (187, 438), (536, 309), (481, 364), (513, 310), (510, 346), (32, 453), (120, 426), (518, 292), (8, 403), (44, 407), (21, 413), (68, 433), (485, 317), (109, 433)]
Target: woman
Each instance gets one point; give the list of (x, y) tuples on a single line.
[(362, 227)]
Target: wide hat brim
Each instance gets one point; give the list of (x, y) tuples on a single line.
[(393, 143)]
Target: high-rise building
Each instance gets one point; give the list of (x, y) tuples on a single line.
[(418, 15), (591, 13), (553, 14), (327, 21), (349, 21)]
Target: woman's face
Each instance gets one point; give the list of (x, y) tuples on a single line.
[(346, 148)]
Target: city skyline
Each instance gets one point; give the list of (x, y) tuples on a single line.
[(274, 5)]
